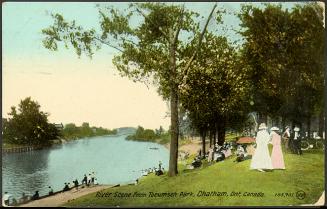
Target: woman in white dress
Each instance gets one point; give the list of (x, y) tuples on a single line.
[(261, 159)]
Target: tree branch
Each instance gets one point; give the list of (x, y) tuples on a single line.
[(180, 22), (185, 70), (106, 43)]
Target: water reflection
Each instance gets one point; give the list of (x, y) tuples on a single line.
[(33, 165)]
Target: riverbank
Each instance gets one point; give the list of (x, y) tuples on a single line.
[(64, 197), (225, 183)]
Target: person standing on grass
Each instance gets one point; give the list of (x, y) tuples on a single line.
[(261, 159), (286, 137), (277, 154), (89, 179), (92, 177), (297, 141)]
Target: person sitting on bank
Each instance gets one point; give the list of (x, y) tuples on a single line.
[(95, 181), (5, 199), (14, 202), (66, 187), (76, 183), (24, 198), (36, 195), (50, 191)]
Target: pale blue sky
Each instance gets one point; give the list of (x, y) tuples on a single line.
[(62, 83)]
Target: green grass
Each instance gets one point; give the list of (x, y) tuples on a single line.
[(302, 173)]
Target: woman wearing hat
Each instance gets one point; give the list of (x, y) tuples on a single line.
[(277, 158), (261, 159)]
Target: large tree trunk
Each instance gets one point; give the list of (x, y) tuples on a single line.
[(283, 124), (210, 137), (221, 132), (215, 136), (174, 134), (321, 123), (262, 118), (203, 136), (309, 126), (173, 156)]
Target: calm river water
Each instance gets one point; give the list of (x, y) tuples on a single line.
[(112, 158)]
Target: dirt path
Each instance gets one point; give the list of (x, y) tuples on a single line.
[(62, 198), (192, 148)]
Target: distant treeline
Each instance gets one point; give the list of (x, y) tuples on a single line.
[(158, 135), (71, 131)]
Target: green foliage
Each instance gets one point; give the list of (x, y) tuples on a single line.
[(27, 125), (285, 50), (217, 86), (142, 134), (71, 131)]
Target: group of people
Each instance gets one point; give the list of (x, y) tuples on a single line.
[(89, 179), (157, 171), (261, 159), (293, 140), (8, 200)]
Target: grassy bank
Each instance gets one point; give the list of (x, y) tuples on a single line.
[(304, 173)]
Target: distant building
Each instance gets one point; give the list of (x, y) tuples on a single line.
[(59, 126)]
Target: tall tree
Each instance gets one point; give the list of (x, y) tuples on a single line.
[(216, 89), (151, 48), (285, 50), (28, 125)]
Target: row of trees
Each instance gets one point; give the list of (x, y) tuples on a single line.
[(144, 134), (158, 135), (28, 125), (71, 131), (277, 72)]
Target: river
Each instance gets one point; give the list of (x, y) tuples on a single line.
[(113, 159)]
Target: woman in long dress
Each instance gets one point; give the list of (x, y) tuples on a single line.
[(261, 159), (277, 158)]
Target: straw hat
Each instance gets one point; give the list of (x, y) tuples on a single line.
[(262, 126), (274, 129)]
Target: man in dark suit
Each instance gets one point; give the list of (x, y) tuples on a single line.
[(296, 138)]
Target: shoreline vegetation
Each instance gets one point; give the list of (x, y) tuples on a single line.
[(159, 136), (73, 132), (28, 128), (70, 132)]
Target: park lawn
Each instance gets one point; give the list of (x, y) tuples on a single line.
[(304, 173)]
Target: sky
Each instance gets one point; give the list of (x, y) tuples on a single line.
[(76, 89)]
